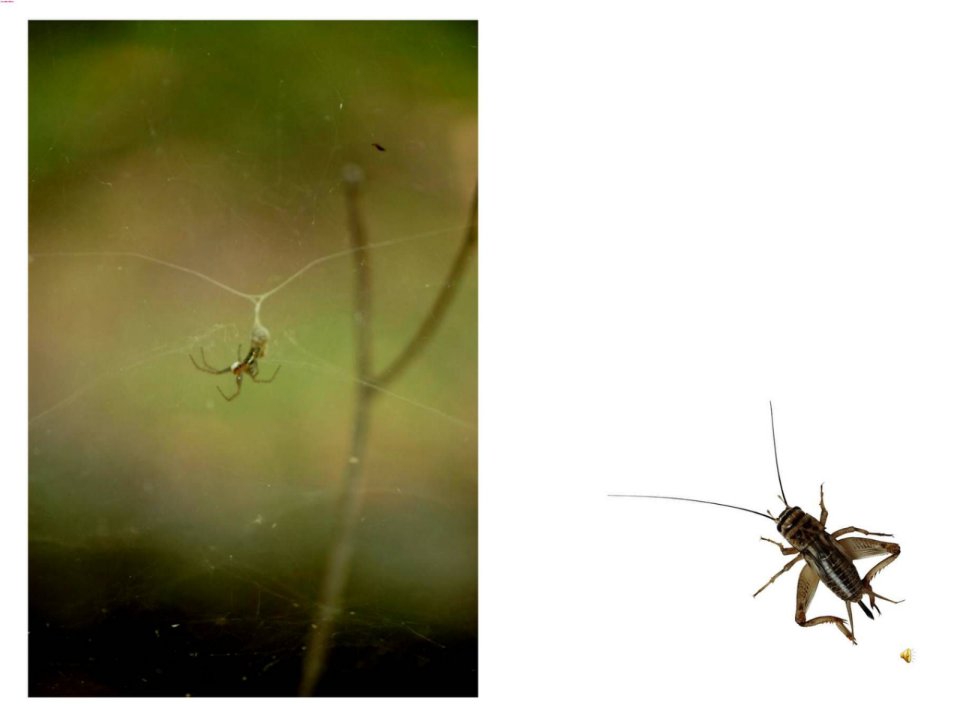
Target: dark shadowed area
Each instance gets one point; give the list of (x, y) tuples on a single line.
[(177, 540)]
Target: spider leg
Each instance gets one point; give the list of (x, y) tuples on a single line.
[(207, 367), (239, 385), (254, 377)]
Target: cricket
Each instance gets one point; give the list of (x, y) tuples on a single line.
[(828, 557)]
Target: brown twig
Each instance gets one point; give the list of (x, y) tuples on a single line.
[(429, 325), (351, 499)]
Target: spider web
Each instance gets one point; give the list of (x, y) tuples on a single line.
[(176, 540)]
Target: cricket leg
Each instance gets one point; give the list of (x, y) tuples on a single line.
[(858, 548), (806, 589), (783, 550), (785, 568), (851, 529)]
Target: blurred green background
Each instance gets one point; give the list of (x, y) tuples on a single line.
[(177, 540)]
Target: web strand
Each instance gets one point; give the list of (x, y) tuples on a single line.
[(256, 299), (149, 258)]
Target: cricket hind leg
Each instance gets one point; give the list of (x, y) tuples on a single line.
[(806, 589), (858, 548)]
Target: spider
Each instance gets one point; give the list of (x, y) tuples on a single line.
[(246, 365)]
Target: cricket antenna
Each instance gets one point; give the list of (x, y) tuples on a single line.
[(783, 495), (705, 502)]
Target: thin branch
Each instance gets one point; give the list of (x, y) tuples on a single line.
[(361, 268), (341, 552), (440, 305), (351, 499)]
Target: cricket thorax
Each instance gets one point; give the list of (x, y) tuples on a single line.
[(798, 528)]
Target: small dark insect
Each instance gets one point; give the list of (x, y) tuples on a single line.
[(379, 147)]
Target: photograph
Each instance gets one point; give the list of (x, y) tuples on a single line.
[(252, 431)]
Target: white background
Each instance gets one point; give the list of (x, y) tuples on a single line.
[(688, 210)]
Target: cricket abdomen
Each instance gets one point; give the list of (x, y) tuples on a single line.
[(822, 552)]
